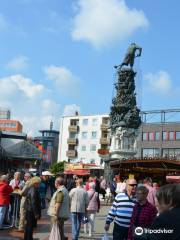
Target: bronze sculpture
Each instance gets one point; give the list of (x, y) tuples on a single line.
[(124, 111), (130, 55)]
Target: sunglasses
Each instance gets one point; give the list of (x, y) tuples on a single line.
[(133, 185)]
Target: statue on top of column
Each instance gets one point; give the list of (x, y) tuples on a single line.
[(130, 56)]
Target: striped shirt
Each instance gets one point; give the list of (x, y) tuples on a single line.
[(121, 210)]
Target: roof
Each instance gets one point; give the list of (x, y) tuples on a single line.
[(49, 131), (23, 150), (159, 165), (88, 115), (15, 135)]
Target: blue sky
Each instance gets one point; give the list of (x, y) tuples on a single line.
[(57, 56)]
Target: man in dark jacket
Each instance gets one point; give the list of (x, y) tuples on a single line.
[(71, 183), (33, 208), (167, 225)]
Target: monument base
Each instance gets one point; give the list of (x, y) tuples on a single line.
[(122, 154), (123, 144)]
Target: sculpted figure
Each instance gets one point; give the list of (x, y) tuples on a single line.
[(130, 55)]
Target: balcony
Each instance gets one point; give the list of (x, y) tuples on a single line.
[(105, 141), (71, 153), (73, 128), (72, 141), (104, 127)]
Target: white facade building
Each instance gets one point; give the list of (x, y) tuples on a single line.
[(81, 137)]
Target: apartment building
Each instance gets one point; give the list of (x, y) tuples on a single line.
[(82, 138)]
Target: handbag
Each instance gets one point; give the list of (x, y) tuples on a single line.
[(85, 218), (55, 233)]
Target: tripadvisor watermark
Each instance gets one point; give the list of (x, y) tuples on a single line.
[(139, 231)]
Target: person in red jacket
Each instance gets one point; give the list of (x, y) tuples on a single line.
[(5, 191)]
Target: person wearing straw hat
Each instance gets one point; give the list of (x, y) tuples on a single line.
[(33, 207)]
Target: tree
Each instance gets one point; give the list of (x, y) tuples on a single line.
[(58, 167)]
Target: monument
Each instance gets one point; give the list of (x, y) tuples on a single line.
[(124, 113)]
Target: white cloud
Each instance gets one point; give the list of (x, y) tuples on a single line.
[(29, 102), (62, 77), (38, 123), (159, 82), (49, 106), (18, 63), (69, 110), (102, 22), (21, 84)]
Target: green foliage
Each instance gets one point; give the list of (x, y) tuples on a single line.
[(58, 167)]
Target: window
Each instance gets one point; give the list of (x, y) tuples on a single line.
[(177, 152), (144, 136), (104, 146), (105, 121), (72, 135), (157, 136), (84, 135), (83, 148), (150, 152), (164, 135), (93, 147), (74, 122), (92, 161), (71, 147), (104, 135), (151, 136), (177, 135), (171, 136), (171, 152), (13, 125), (94, 135), (165, 152), (94, 121), (85, 122)]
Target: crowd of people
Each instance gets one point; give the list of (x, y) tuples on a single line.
[(144, 211), (138, 209)]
